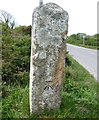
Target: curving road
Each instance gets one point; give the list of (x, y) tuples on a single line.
[(86, 57)]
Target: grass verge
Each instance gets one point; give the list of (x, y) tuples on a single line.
[(86, 46), (79, 97)]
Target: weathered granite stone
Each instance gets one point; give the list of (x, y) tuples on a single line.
[(49, 31)]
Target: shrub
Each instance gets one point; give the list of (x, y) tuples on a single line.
[(15, 58)]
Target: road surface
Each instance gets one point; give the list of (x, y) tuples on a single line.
[(86, 57)]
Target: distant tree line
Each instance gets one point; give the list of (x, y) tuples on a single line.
[(84, 40)]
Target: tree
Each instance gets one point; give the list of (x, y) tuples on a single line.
[(7, 18)]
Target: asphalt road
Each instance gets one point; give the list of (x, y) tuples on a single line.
[(86, 57)]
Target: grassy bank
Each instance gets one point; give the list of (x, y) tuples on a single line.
[(79, 97), (81, 39), (91, 47), (86, 46)]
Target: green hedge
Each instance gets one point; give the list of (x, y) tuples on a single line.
[(15, 57)]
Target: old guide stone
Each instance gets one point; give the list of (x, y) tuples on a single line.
[(49, 31)]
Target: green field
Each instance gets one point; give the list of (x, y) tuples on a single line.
[(79, 97)]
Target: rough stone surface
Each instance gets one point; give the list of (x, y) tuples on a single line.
[(49, 31)]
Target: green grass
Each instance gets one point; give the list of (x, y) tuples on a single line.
[(15, 102), (79, 97), (86, 46), (89, 46)]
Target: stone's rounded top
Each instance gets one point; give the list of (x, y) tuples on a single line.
[(51, 18), (51, 9), (49, 26)]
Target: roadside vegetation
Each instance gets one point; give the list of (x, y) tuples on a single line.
[(83, 40), (79, 93)]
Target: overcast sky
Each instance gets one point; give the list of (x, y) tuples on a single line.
[(82, 13)]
